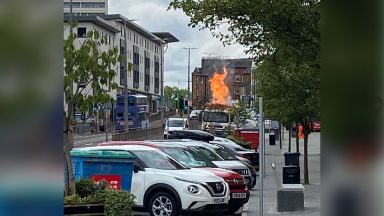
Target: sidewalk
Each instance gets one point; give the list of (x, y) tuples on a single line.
[(275, 155)]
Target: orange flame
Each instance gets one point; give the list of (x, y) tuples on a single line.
[(218, 88)]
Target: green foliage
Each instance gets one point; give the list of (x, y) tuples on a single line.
[(116, 202), (283, 38), (170, 92), (240, 113), (72, 199), (87, 65), (89, 77), (85, 187)]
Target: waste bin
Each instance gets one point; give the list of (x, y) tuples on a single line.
[(291, 174), (276, 131), (251, 136), (292, 158), (272, 140), (116, 167)]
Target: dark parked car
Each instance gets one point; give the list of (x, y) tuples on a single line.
[(192, 134)]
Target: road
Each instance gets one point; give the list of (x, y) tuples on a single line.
[(90, 139)]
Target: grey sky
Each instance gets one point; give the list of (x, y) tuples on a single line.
[(153, 15)]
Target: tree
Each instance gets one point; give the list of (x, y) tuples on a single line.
[(240, 113), (171, 92), (89, 75), (283, 38)]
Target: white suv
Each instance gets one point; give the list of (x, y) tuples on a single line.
[(164, 187)]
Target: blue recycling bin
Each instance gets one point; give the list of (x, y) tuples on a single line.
[(114, 166)]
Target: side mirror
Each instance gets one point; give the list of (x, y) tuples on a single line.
[(136, 168)]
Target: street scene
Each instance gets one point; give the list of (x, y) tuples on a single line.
[(191, 108)]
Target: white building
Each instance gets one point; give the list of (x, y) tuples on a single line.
[(86, 7), (143, 49)]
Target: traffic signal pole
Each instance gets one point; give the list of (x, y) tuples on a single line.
[(261, 157), (189, 82)]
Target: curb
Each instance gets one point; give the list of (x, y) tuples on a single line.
[(245, 209)]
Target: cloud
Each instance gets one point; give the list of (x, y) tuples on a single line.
[(154, 16)]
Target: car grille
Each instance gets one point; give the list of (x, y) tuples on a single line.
[(216, 188), (235, 181), (236, 184), (241, 171)]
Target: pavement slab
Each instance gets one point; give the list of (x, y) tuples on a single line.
[(276, 155)]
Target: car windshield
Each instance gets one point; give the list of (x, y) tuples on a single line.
[(176, 123), (236, 147), (157, 160), (212, 156), (188, 158), (226, 155), (220, 117)]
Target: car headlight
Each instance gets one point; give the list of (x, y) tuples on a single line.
[(193, 189)]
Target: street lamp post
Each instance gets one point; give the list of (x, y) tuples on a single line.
[(189, 75), (164, 44), (126, 79)]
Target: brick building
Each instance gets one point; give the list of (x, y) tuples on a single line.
[(238, 79)]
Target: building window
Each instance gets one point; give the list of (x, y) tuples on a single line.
[(92, 5), (237, 91), (74, 5), (239, 78), (81, 32)]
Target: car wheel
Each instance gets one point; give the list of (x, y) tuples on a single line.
[(163, 204), (233, 208)]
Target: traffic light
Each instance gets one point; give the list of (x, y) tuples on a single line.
[(181, 102)]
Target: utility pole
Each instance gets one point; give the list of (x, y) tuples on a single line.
[(189, 75)]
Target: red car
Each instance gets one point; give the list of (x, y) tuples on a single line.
[(189, 158)]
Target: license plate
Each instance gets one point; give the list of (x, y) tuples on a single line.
[(218, 200), (239, 195)]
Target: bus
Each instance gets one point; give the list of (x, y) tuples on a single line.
[(137, 112)]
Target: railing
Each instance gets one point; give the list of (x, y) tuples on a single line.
[(156, 132), (155, 117)]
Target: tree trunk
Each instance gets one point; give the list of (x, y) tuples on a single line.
[(289, 139), (306, 134), (68, 146), (280, 137), (297, 138)]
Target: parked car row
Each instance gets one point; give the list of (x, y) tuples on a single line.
[(176, 176)]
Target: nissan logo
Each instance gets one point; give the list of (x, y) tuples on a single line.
[(218, 187)]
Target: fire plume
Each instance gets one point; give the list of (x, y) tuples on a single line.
[(219, 89)]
